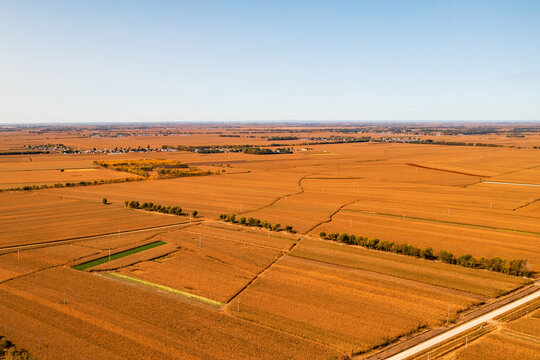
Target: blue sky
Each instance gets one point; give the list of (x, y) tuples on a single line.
[(77, 61)]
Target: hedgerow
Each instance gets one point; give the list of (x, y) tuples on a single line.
[(516, 267), (255, 223)]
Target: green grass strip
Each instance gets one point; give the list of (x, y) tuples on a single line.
[(115, 256), (168, 289)]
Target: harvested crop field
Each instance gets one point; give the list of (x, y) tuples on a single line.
[(13, 179), (36, 218), (225, 261), (497, 347), (145, 326), (210, 195), (23, 262), (517, 339), (456, 238), (223, 290), (288, 295), (529, 325), (121, 240), (430, 272)]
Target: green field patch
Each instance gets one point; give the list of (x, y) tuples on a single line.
[(118, 255), (168, 289)]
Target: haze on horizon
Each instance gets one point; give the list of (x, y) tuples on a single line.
[(72, 62)]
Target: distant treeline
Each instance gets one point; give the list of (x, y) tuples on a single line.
[(247, 149), (337, 140), (510, 267), (23, 152), (149, 206), (281, 138), (256, 223)]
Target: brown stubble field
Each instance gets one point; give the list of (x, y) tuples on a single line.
[(482, 283), (33, 217), (354, 311), (284, 295), (225, 261), (517, 339), (102, 318)]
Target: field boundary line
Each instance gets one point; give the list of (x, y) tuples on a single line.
[(527, 204), (331, 216), (86, 237), (445, 170), (234, 296), (367, 212), (237, 241), (298, 336), (167, 289), (90, 319), (521, 336), (302, 190), (398, 279)]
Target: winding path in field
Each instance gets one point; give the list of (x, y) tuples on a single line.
[(280, 197)]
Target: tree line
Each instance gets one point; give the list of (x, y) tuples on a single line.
[(516, 267), (150, 206), (10, 351), (70, 184), (255, 223)]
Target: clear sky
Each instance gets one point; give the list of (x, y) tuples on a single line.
[(77, 61)]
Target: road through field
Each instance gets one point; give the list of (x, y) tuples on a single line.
[(464, 327), (508, 183)]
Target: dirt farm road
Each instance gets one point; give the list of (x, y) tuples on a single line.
[(464, 327)]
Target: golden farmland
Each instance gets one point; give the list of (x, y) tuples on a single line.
[(280, 294)]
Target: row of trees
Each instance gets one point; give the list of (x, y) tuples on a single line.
[(174, 173), (516, 267), (70, 184), (255, 222), (142, 167), (149, 206), (247, 149)]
